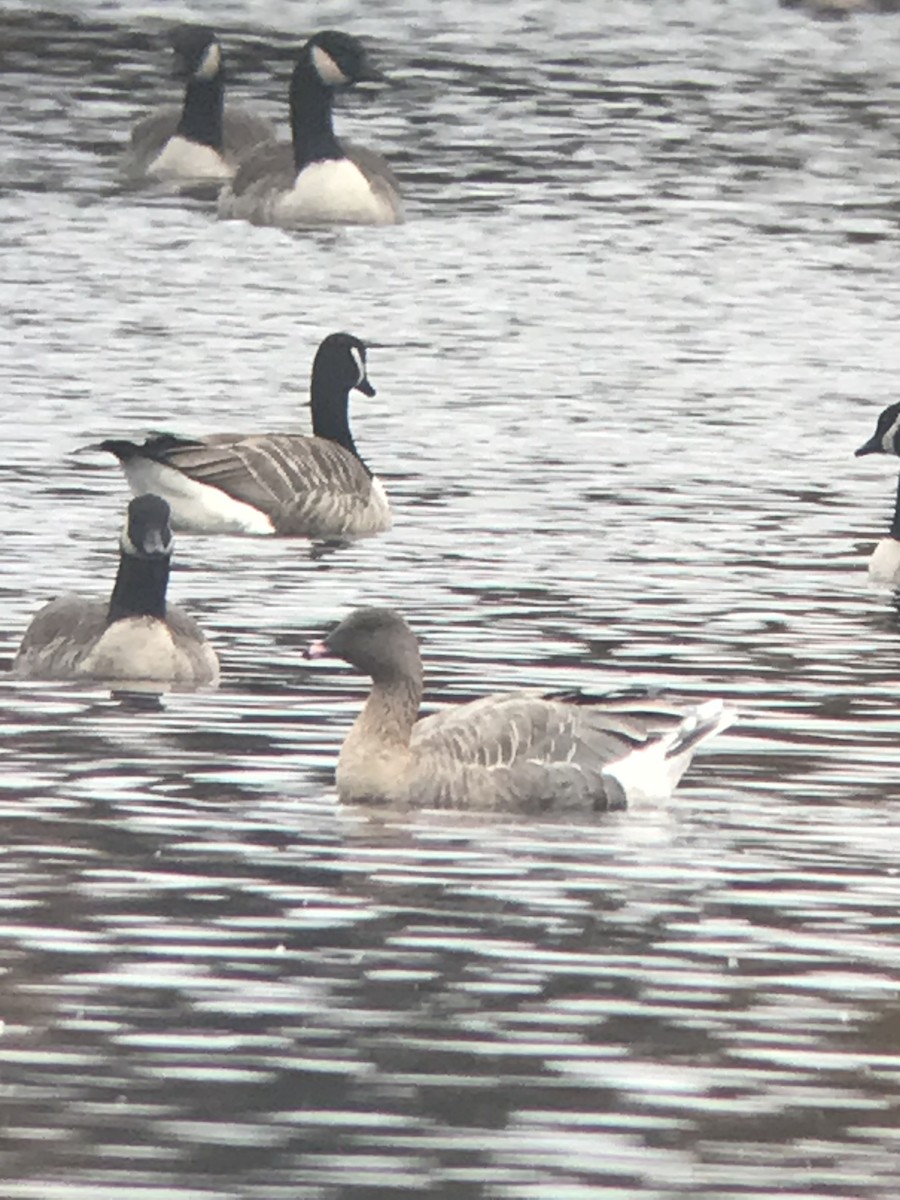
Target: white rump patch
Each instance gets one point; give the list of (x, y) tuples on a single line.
[(334, 190), (327, 69), (181, 158), (195, 507), (211, 62), (651, 774), (884, 565)]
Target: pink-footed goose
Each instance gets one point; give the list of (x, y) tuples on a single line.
[(504, 752)]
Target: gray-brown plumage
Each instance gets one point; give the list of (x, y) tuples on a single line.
[(201, 139), (279, 483), (135, 635), (504, 752)]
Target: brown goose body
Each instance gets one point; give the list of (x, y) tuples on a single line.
[(506, 751)]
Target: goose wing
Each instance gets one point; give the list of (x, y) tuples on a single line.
[(59, 637), (373, 166), (242, 130), (521, 751), (268, 166), (300, 482), (149, 136)]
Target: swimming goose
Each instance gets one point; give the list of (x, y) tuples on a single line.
[(507, 751), (275, 483), (316, 179), (134, 635), (884, 565), (202, 140)]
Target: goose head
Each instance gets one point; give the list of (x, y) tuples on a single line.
[(146, 533), (376, 641), (198, 54), (340, 366), (340, 60), (886, 438)]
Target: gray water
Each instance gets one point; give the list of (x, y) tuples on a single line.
[(642, 313)]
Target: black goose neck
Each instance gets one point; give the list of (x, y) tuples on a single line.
[(312, 128), (330, 405), (201, 117), (140, 588), (895, 519)]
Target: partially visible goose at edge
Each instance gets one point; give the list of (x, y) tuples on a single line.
[(506, 751), (133, 636), (884, 565), (203, 139), (315, 179), (272, 483)]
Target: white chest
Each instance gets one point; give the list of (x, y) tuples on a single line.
[(884, 565), (134, 648), (183, 159), (332, 191)]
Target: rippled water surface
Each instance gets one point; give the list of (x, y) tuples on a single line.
[(643, 310)]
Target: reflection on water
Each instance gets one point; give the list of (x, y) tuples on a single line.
[(640, 318)]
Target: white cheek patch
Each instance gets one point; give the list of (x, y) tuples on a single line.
[(210, 63), (360, 363), (328, 70)]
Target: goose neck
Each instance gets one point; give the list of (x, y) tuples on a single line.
[(140, 588), (312, 128), (201, 116), (392, 708), (895, 519), (331, 414)]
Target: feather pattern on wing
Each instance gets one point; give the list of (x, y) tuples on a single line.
[(307, 486)]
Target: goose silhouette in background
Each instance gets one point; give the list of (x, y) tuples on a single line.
[(503, 752), (203, 139), (286, 484), (315, 179), (884, 564), (135, 635)]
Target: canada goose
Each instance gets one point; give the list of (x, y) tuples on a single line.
[(202, 140), (838, 10), (134, 635), (507, 751), (884, 564), (315, 179), (275, 483)]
